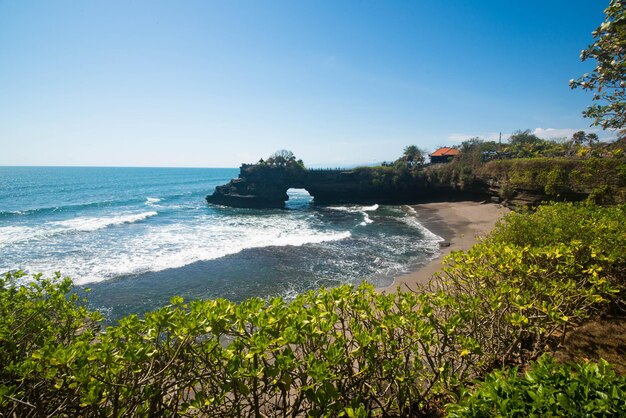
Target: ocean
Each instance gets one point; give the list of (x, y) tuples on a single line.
[(138, 236)]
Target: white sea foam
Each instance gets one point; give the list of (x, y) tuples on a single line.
[(150, 201), (178, 251), (87, 224), (358, 209), (343, 208), (354, 209), (17, 234), (413, 221), (370, 208), (200, 235), (160, 247), (366, 219), (13, 234)]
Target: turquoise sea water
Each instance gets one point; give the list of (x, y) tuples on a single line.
[(138, 236)]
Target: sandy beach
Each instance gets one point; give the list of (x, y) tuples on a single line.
[(459, 223)]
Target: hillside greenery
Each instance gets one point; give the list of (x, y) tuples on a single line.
[(576, 169), (602, 180), (332, 352)]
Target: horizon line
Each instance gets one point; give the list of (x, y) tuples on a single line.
[(108, 166)]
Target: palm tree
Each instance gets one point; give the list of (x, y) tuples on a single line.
[(578, 137), (413, 155)]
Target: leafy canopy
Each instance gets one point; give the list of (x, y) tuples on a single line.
[(548, 389), (282, 158), (413, 155), (608, 79)]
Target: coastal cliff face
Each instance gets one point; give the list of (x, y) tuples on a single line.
[(516, 183), (527, 182), (258, 187), (356, 186), (265, 186)]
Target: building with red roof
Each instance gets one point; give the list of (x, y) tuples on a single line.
[(443, 155)]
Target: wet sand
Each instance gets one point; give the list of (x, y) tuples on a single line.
[(459, 223)]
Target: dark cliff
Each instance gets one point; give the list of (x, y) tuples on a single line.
[(264, 186), (258, 186)]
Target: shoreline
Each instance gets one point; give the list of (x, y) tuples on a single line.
[(459, 223)]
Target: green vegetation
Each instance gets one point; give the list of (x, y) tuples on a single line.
[(524, 144), (404, 175), (602, 179), (548, 389), (332, 352), (608, 80), (282, 158), (393, 178), (575, 169), (413, 156)]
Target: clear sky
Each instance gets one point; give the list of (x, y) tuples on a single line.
[(217, 83)]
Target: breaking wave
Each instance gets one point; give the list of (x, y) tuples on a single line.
[(177, 246), (85, 224), (152, 200), (15, 234), (358, 209)]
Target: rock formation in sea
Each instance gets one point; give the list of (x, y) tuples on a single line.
[(265, 186)]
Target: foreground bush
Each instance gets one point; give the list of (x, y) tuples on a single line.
[(596, 234), (331, 352), (328, 352), (547, 389), (535, 276)]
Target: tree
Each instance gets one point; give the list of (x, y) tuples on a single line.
[(284, 154), (608, 79), (413, 155), (525, 144), (281, 157), (592, 139), (579, 137), (410, 151), (524, 138), (475, 150)]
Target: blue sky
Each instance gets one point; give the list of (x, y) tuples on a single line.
[(217, 83)]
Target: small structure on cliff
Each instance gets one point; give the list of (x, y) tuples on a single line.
[(444, 155)]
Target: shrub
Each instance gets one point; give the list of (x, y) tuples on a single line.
[(457, 174), (547, 389), (506, 192), (42, 316), (598, 234), (328, 352), (516, 300)]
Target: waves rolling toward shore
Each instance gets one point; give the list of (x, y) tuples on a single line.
[(137, 236)]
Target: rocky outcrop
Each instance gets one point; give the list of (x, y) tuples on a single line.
[(265, 186), (258, 186), (517, 183)]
